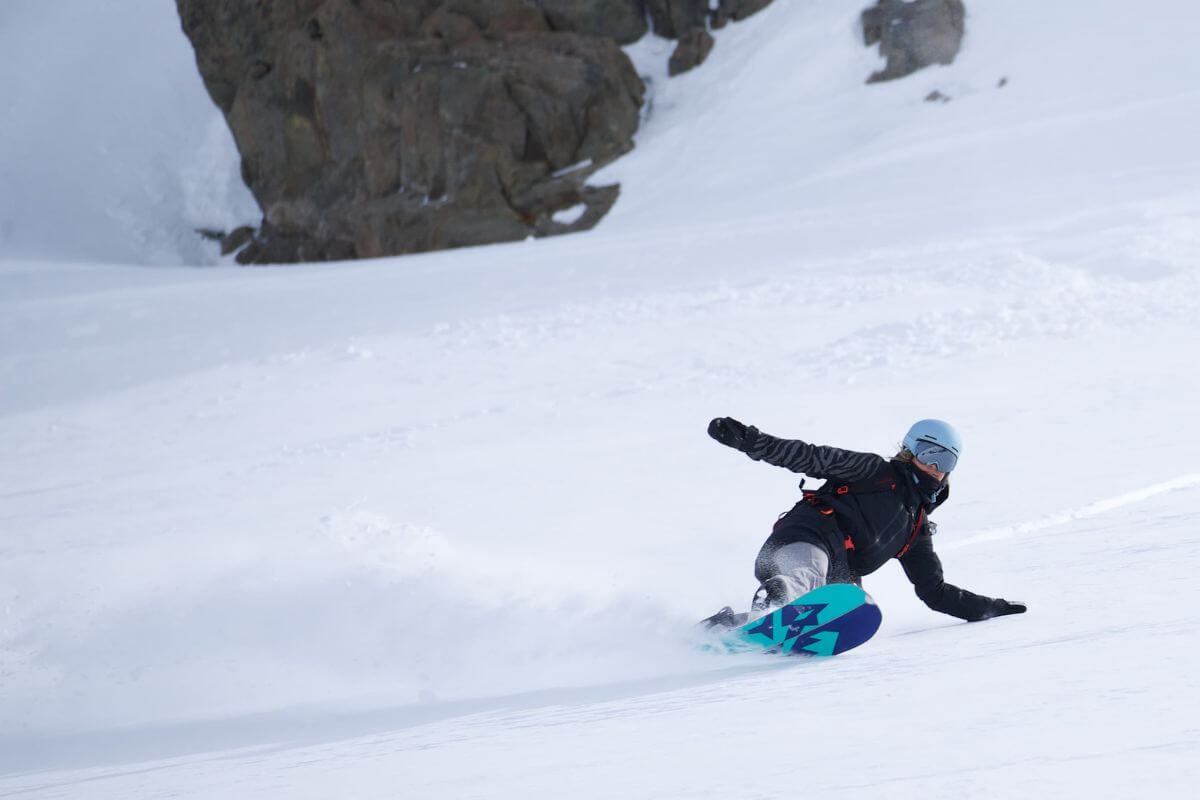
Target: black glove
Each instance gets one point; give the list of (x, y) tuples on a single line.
[(1002, 608), (731, 433)]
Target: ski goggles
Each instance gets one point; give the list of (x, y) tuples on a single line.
[(936, 456)]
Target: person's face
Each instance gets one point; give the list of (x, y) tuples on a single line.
[(932, 472)]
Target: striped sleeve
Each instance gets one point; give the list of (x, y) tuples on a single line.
[(816, 461)]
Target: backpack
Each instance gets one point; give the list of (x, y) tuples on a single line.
[(819, 499)]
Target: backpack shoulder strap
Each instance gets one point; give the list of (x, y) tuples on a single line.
[(884, 482)]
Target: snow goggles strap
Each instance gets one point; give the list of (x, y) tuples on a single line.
[(936, 456)]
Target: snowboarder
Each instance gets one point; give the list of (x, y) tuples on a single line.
[(869, 510)]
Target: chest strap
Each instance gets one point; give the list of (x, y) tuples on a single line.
[(912, 537)]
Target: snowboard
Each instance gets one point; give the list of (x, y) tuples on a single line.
[(825, 622)]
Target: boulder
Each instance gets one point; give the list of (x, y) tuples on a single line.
[(371, 128), (688, 21), (912, 35), (736, 10), (693, 47), (673, 18)]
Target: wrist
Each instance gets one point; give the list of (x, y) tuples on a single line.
[(750, 440)]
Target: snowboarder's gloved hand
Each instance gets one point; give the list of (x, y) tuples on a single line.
[(731, 433), (1001, 607)]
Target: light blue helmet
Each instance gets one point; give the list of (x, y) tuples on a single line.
[(935, 443)]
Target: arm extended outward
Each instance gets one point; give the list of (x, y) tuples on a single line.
[(924, 569), (813, 460)]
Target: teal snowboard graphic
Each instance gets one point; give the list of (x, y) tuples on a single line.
[(825, 622)]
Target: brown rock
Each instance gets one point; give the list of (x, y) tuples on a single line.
[(694, 46), (673, 18), (736, 10), (622, 20), (236, 239), (372, 128), (912, 35)]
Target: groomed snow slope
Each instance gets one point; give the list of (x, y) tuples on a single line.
[(438, 526)]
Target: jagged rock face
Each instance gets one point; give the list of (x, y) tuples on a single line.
[(378, 127), (736, 10), (688, 21), (622, 20), (694, 46), (913, 35), (674, 18)]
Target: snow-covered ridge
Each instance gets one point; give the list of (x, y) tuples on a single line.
[(448, 518)]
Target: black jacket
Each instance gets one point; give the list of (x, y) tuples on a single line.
[(883, 513)]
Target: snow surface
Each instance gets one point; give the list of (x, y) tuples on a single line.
[(110, 149), (438, 526)]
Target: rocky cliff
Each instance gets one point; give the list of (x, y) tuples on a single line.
[(380, 127), (375, 127)]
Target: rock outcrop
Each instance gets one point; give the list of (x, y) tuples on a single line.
[(912, 35), (621, 20), (736, 10), (370, 127), (689, 21), (694, 46), (381, 127), (674, 18)]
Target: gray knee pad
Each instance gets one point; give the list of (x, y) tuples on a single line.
[(799, 568)]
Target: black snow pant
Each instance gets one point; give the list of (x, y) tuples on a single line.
[(804, 524)]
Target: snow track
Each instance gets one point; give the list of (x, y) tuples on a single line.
[(1078, 697), (1098, 508)]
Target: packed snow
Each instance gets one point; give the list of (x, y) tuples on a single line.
[(439, 526)]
